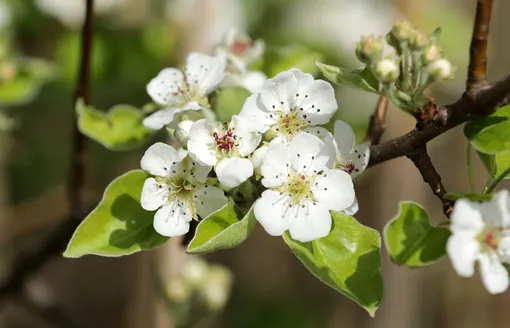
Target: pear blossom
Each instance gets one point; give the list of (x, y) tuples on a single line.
[(177, 91), (182, 132), (249, 80), (289, 103), (302, 189), (239, 49), (226, 147), (178, 191), (481, 232), (440, 69)]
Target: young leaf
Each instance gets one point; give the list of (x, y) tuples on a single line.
[(496, 164), (348, 260), (491, 134), (410, 238), (222, 230), (118, 225), (228, 102), (471, 196), (119, 129), (19, 91), (361, 78)]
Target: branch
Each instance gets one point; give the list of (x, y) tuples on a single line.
[(421, 160), (477, 70), (377, 124)]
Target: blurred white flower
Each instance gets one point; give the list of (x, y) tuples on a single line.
[(440, 69), (387, 70)]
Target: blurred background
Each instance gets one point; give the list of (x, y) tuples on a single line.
[(135, 39)]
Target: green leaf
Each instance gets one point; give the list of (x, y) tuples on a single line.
[(222, 230), (279, 59), (471, 196), (410, 238), (361, 78), (490, 134), (120, 128), (348, 260), (496, 164), (19, 91), (118, 225), (228, 102)]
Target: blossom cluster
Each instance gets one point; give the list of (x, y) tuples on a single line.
[(276, 143)]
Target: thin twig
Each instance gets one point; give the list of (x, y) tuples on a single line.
[(477, 70), (469, 168), (421, 160), (377, 124), (494, 183)]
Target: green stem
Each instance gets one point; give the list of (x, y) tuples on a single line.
[(405, 67), (491, 184), (469, 168)]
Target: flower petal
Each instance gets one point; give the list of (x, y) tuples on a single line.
[(497, 212), (197, 172), (248, 138), (253, 81), (327, 138), (258, 116), (269, 210), (159, 119), (163, 89), (204, 72), (307, 153), (209, 199), (494, 274), (233, 171), (279, 92), (334, 190), (154, 195), (317, 99), (274, 165), (172, 220), (463, 251), (201, 143), (360, 156), (160, 160), (302, 78), (257, 158), (310, 222), (353, 209), (344, 137), (466, 217)]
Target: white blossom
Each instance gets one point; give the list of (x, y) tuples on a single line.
[(226, 147), (440, 69), (249, 80), (387, 70), (289, 103), (301, 189), (182, 132), (178, 191), (177, 91), (239, 50), (480, 232)]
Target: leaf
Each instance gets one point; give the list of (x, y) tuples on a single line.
[(410, 238), (496, 164), (118, 225), (490, 134), (228, 102), (19, 91), (348, 260), (279, 59), (361, 78), (222, 230), (119, 129), (471, 196)]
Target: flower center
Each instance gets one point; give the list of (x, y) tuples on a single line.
[(298, 187), (226, 141), (346, 165), (188, 92), (240, 47), (289, 124), (489, 239)]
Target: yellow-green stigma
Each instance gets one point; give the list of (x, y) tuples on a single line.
[(298, 187), (489, 239)]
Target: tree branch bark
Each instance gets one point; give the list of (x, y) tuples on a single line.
[(477, 70), (377, 124)]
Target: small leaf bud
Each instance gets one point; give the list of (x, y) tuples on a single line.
[(387, 70), (369, 49), (418, 40), (440, 69)]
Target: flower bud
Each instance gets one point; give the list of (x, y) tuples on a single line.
[(431, 53), (402, 30), (369, 49), (418, 40), (182, 132), (387, 70), (194, 271), (440, 69)]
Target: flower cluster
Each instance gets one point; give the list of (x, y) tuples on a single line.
[(276, 144), (481, 232)]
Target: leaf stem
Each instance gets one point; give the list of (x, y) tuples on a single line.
[(469, 168), (491, 184)]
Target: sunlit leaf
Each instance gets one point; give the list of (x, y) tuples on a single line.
[(491, 134), (360, 79), (496, 164)]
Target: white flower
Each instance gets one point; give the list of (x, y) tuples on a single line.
[(178, 190), (480, 232), (301, 189), (387, 70), (289, 103), (257, 158), (250, 80), (178, 92), (239, 50), (182, 132), (225, 147), (440, 69)]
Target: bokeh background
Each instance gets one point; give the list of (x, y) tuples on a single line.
[(271, 289)]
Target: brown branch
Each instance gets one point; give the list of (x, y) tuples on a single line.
[(477, 70), (377, 124), (422, 161)]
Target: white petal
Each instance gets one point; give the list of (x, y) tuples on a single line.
[(279, 93), (307, 153), (344, 137), (255, 52), (269, 211), (197, 172), (163, 89), (494, 274), (258, 116), (159, 119), (274, 165), (334, 190), (172, 220), (329, 149), (310, 222), (182, 132), (253, 81), (466, 217), (463, 251), (360, 157), (160, 160), (248, 138), (209, 200), (497, 212), (233, 171), (303, 78), (201, 144), (504, 246), (257, 158), (318, 102), (204, 72), (154, 195), (353, 209)]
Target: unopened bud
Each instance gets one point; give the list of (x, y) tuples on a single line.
[(387, 70), (431, 53), (440, 69), (182, 132), (402, 30), (369, 49), (418, 40)]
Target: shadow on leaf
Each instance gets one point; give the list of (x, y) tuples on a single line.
[(366, 283)]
